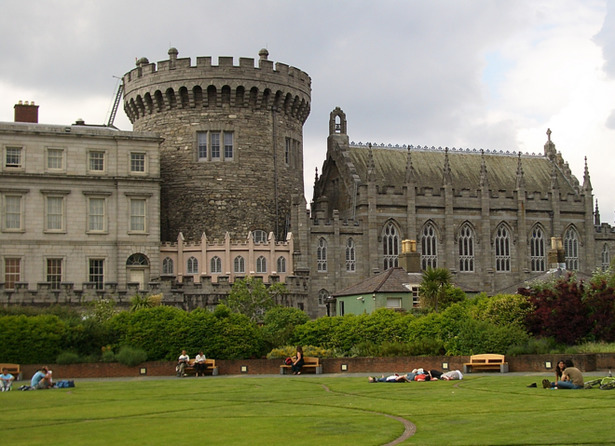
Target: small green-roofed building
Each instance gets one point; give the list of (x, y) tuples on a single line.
[(395, 289)]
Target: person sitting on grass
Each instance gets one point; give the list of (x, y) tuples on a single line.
[(572, 378), (41, 379), (6, 380)]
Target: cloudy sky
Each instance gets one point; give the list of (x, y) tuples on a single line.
[(490, 74)]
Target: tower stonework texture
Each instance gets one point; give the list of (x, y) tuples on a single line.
[(232, 155)]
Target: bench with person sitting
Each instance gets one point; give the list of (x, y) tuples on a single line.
[(310, 362), (207, 365), (486, 361), (13, 369)]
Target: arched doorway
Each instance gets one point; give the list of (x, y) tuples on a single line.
[(137, 270)]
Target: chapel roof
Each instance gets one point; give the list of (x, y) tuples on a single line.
[(465, 168)]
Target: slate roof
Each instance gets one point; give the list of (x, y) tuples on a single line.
[(390, 169), (390, 281)]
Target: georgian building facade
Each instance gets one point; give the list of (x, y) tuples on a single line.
[(79, 207)]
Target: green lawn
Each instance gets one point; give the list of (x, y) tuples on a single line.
[(307, 410)]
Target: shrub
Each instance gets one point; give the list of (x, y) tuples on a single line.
[(68, 358), (108, 356), (131, 356)]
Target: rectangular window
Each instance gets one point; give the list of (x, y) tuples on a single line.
[(54, 273), (393, 302), (12, 272), (287, 151), (55, 213), (96, 273), (202, 145), (137, 215), (215, 145), (55, 159), (228, 145), (12, 212), (96, 162), (96, 214), (13, 157), (137, 162)]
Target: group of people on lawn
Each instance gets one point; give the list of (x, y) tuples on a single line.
[(418, 375), (567, 376)]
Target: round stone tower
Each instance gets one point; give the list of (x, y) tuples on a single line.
[(232, 155)]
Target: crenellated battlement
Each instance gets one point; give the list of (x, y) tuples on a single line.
[(177, 84)]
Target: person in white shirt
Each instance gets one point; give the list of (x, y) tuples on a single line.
[(182, 361), (199, 364)]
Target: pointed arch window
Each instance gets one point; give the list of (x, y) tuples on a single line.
[(429, 247), (239, 265), (322, 296), (502, 249), (321, 256), (167, 265), (215, 265), (390, 245), (537, 250), (351, 262), (192, 266), (281, 265), (606, 257), (571, 249), (466, 248), (261, 265)]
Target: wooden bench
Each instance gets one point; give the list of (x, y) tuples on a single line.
[(13, 369), (486, 361), (310, 362), (210, 366)]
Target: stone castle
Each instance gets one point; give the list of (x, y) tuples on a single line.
[(232, 198)]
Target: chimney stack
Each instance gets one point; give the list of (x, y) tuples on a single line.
[(26, 112)]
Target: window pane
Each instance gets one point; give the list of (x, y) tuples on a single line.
[(12, 212), (137, 162), (202, 145), (54, 273), (215, 145), (96, 273), (228, 145), (12, 273), (13, 157), (97, 214), (54, 158), (54, 213), (137, 215), (97, 161)]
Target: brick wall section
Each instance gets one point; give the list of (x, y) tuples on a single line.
[(526, 363)]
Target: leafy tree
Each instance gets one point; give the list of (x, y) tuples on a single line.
[(600, 302), (252, 298), (435, 284), (502, 309), (279, 324), (559, 311)]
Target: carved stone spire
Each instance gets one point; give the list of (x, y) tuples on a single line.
[(446, 171), (550, 151), (554, 182), (484, 178), (597, 214), (587, 184), (410, 173), (371, 166), (520, 177)]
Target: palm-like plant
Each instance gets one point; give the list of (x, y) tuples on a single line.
[(433, 287)]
